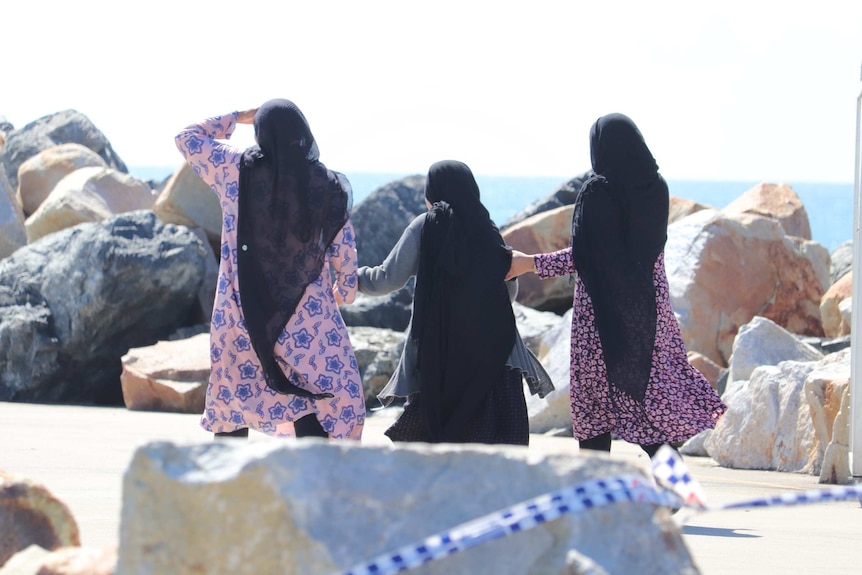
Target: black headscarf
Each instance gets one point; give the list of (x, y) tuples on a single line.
[(290, 209), (462, 316), (619, 228)]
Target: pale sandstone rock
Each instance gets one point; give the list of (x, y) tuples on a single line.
[(12, 234), (831, 317), (64, 561), (777, 201), (32, 515), (725, 269), (545, 232), (825, 389), (38, 175), (836, 457), (315, 507), (167, 376), (187, 200), (681, 207), (88, 195), (710, 370)]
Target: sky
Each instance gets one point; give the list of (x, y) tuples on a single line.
[(736, 90)]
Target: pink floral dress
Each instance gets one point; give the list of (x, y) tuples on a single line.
[(679, 401), (314, 349)]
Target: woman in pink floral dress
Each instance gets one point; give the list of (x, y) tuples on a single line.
[(282, 362), (629, 372)]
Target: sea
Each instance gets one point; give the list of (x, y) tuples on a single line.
[(829, 205)]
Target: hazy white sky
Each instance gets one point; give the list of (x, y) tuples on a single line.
[(734, 91)]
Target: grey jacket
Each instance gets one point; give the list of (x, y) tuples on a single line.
[(399, 266)]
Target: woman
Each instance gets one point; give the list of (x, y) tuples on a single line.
[(463, 362), (629, 372), (282, 361)]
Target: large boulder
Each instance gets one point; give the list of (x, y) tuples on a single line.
[(39, 174), (12, 231), (380, 219), (73, 303), (64, 127), (312, 507), (187, 200), (168, 375), (544, 232), (88, 195), (763, 342), (32, 515), (777, 201), (724, 269), (769, 422)]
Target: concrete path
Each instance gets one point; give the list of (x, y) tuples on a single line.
[(81, 454)]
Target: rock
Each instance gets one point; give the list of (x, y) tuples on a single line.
[(777, 201), (377, 353), (545, 232), (167, 376), (680, 208), (725, 269), (12, 234), (763, 342), (390, 311), (767, 424), (88, 195), (382, 217), (533, 325), (841, 261), (40, 173), (833, 320), (826, 391), (552, 412), (321, 507), (836, 457), (32, 515), (64, 561), (64, 127), (187, 200), (710, 370), (73, 303), (565, 195)]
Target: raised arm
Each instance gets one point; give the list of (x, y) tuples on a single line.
[(398, 267), (200, 146)]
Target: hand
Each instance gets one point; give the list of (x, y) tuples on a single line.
[(246, 117), (521, 264)]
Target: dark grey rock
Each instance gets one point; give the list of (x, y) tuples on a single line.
[(64, 127), (73, 303), (391, 311), (380, 219), (564, 196)]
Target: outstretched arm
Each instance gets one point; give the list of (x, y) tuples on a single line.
[(521, 264)]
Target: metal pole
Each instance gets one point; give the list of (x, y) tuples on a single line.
[(856, 315)]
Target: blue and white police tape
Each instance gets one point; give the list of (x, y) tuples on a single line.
[(676, 489)]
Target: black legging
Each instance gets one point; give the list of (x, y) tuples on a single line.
[(305, 426), (603, 443)]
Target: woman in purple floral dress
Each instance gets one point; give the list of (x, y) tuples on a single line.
[(629, 372), (282, 361)]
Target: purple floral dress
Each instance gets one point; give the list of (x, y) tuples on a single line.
[(679, 401), (314, 350)]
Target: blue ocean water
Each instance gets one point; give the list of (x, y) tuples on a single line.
[(829, 205)]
